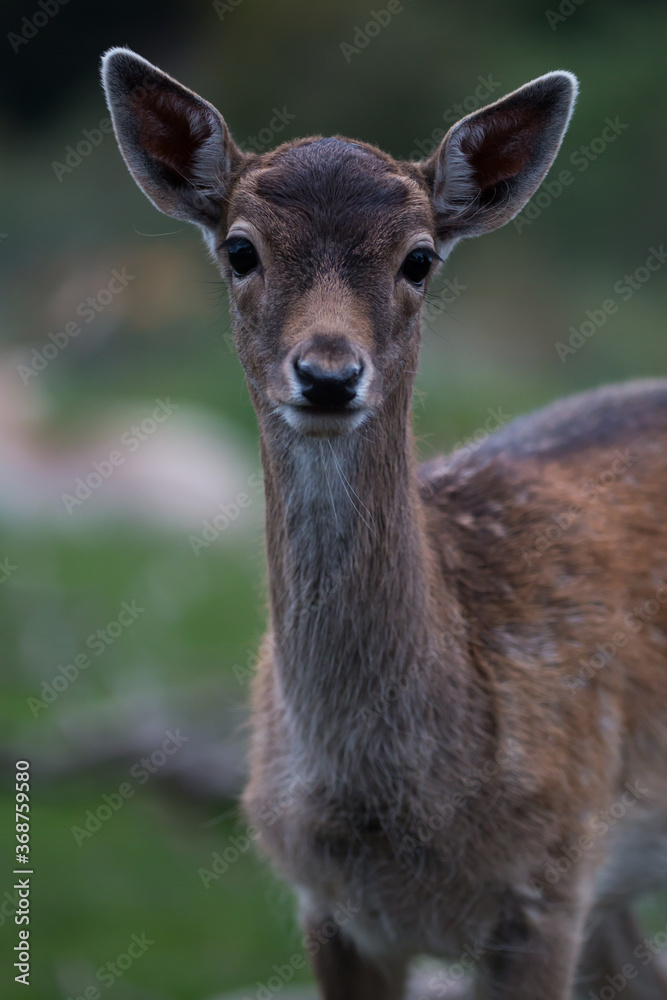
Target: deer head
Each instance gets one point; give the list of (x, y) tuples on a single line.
[(328, 244)]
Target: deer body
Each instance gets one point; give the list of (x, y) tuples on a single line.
[(500, 728), (460, 713)]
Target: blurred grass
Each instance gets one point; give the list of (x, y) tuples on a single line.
[(139, 875), (140, 871)]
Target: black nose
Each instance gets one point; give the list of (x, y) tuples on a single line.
[(327, 389)]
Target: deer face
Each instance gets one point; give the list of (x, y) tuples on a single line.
[(328, 245), (327, 250)]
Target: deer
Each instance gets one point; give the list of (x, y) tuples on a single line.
[(461, 697)]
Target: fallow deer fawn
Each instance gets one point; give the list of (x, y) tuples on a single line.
[(465, 675)]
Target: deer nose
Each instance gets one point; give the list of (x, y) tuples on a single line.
[(326, 388)]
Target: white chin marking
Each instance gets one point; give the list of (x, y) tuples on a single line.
[(322, 424)]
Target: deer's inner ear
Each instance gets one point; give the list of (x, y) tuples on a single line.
[(171, 135), (176, 145), (491, 162), (498, 157)]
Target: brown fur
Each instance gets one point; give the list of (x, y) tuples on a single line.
[(466, 666)]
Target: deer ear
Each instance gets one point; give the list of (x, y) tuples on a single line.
[(176, 145), (491, 162)]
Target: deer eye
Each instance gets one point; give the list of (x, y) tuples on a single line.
[(416, 265), (242, 256)]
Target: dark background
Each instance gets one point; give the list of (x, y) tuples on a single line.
[(183, 662)]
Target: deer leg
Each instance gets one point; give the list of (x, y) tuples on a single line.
[(342, 973), (532, 958), (615, 959)]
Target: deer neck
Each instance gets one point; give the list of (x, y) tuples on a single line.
[(350, 572)]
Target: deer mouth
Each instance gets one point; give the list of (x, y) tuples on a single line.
[(323, 421)]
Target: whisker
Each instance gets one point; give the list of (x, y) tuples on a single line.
[(172, 232), (344, 481), (350, 485), (326, 473)]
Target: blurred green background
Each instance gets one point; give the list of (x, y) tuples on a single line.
[(69, 216)]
